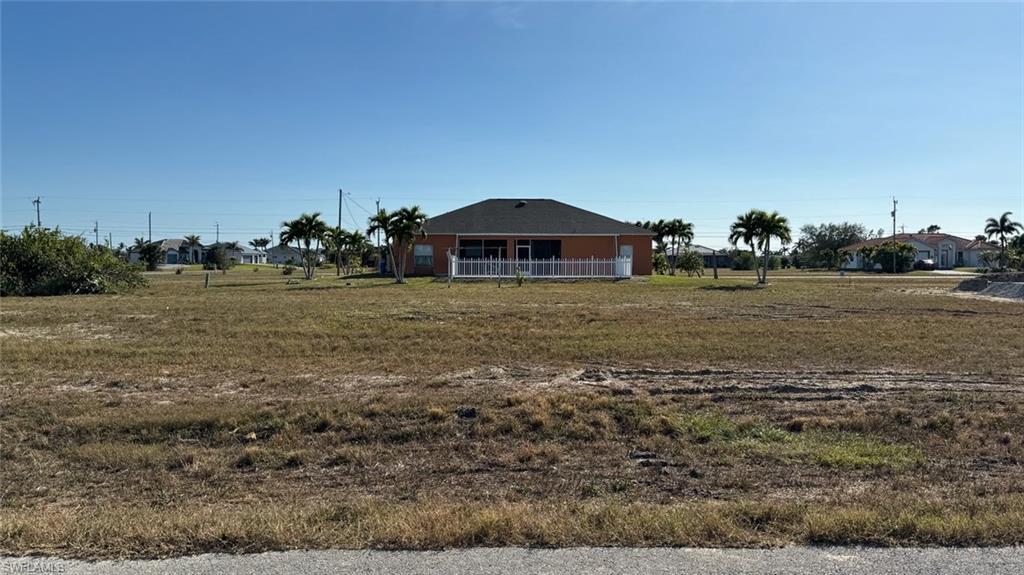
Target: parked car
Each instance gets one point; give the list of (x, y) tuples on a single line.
[(927, 265)]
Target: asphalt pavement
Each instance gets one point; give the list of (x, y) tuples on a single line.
[(597, 561)]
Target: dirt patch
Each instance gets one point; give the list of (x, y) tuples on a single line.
[(793, 385), (67, 331), (1007, 290)]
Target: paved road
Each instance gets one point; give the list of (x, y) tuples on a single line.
[(789, 561)]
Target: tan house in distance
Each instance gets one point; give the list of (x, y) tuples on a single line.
[(947, 251)]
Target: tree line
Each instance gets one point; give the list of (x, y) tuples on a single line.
[(400, 229)]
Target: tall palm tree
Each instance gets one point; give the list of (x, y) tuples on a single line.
[(334, 241), (1002, 228), (259, 243), (306, 231), (746, 229), (192, 241), (401, 228), (771, 226), (679, 234), (354, 245), (378, 223)]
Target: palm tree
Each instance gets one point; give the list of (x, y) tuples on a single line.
[(192, 241), (354, 244), (680, 234), (1002, 228), (259, 243), (379, 223), (400, 228), (334, 241), (746, 229), (771, 226), (306, 231)]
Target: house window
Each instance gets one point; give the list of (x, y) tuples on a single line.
[(471, 249), (496, 249), (924, 255), (487, 249), (546, 249), (423, 256)]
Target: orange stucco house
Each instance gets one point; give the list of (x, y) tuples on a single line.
[(538, 237)]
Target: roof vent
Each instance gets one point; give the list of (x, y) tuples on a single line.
[(520, 203)]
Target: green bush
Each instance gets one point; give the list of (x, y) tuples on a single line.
[(151, 255), (217, 259), (743, 261), (690, 262), (882, 254), (660, 263), (41, 261)]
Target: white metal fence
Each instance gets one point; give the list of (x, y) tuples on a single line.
[(621, 267)]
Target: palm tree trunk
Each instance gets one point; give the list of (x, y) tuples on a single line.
[(394, 263), (753, 258), (767, 250), (672, 262)]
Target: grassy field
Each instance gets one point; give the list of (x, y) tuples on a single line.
[(259, 415)]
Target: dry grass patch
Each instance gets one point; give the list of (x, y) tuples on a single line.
[(383, 419)]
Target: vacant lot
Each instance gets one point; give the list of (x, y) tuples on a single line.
[(257, 415)]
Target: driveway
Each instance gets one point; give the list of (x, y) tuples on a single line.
[(505, 561)]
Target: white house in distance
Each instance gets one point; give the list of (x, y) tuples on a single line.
[(947, 251), (239, 253), (175, 252), (282, 254), (179, 252)]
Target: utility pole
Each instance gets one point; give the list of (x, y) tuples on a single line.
[(150, 226), (218, 231), (380, 254), (337, 249), (96, 231), (37, 201), (894, 234)]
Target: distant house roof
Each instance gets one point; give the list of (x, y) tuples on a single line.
[(225, 245), (167, 245), (528, 216), (931, 240), (702, 250)]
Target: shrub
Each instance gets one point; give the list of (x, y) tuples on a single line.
[(40, 261), (690, 262), (882, 254), (151, 254), (288, 270), (660, 263), (743, 261), (217, 259)]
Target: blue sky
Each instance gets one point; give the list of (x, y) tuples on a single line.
[(247, 114)]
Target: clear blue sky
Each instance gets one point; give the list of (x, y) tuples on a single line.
[(247, 114)]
